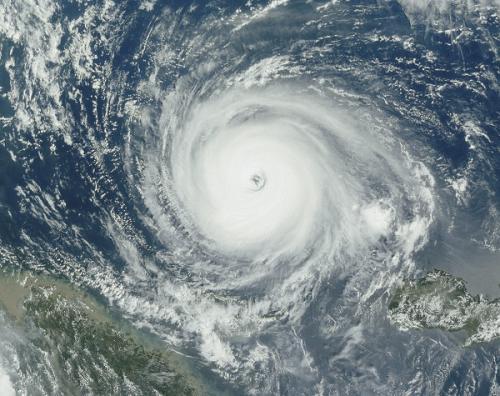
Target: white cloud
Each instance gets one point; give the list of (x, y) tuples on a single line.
[(6, 387)]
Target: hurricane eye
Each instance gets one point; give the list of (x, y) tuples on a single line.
[(257, 182)]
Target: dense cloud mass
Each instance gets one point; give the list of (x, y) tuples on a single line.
[(249, 184)]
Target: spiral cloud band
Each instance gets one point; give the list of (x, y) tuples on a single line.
[(252, 171), (271, 181), (271, 192), (250, 181), (263, 188)]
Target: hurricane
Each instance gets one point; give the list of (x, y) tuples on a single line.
[(249, 197), (260, 179)]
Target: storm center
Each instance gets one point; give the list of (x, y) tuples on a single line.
[(257, 182)]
